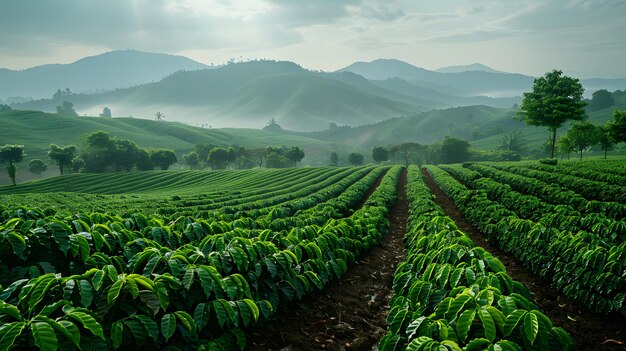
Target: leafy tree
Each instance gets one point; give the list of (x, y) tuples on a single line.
[(583, 135), (355, 159), (12, 154), (218, 158), (407, 152), (618, 126), (555, 99), (601, 99), (67, 109), (295, 155), (98, 151), (380, 154), (125, 154), (144, 163), (191, 159), (4, 108), (273, 126), (334, 159), (77, 164), (159, 116), (106, 112), (605, 137), (203, 151), (63, 156), (454, 150), (259, 154), (163, 158), (37, 166), (565, 145)]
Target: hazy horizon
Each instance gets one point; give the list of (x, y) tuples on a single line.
[(583, 38)]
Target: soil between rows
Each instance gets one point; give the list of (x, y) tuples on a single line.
[(349, 313), (591, 331)]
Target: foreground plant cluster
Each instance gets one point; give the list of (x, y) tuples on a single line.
[(199, 269), (105, 281)]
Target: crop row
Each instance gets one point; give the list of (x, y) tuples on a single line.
[(552, 193), (590, 189), (198, 295), (580, 264), (533, 208), (599, 174), (452, 295)]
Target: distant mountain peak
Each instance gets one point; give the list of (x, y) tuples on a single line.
[(466, 68)]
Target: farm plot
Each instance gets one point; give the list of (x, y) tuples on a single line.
[(80, 280), (452, 295)]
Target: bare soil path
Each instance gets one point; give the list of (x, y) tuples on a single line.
[(349, 313), (590, 331)]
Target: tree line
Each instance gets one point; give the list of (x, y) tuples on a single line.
[(101, 152)]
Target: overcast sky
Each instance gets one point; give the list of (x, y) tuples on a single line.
[(582, 37)]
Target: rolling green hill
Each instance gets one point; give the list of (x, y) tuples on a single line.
[(37, 130), (246, 95)]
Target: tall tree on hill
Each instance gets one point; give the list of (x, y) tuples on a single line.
[(605, 137), (555, 99), (218, 158), (192, 159), (98, 151), (583, 135), (454, 150), (618, 126), (12, 154), (407, 152), (295, 155), (106, 112), (355, 159), (601, 99), (67, 109), (163, 158), (37, 166), (63, 156), (380, 154), (565, 146), (159, 116)]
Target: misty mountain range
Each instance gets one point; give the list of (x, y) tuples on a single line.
[(249, 94)]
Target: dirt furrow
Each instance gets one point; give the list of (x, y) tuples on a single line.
[(590, 331), (349, 313)]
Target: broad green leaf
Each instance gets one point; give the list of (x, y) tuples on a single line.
[(39, 290), (18, 243), (44, 336), (8, 309), (506, 345), (477, 344), (149, 324), (72, 329), (131, 284), (488, 324), (464, 323), (420, 343), (512, 320), (168, 326), (186, 321), (98, 279), (114, 291), (86, 293), (61, 235), (151, 299), (253, 308), (8, 333), (88, 322), (117, 329), (531, 327)]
